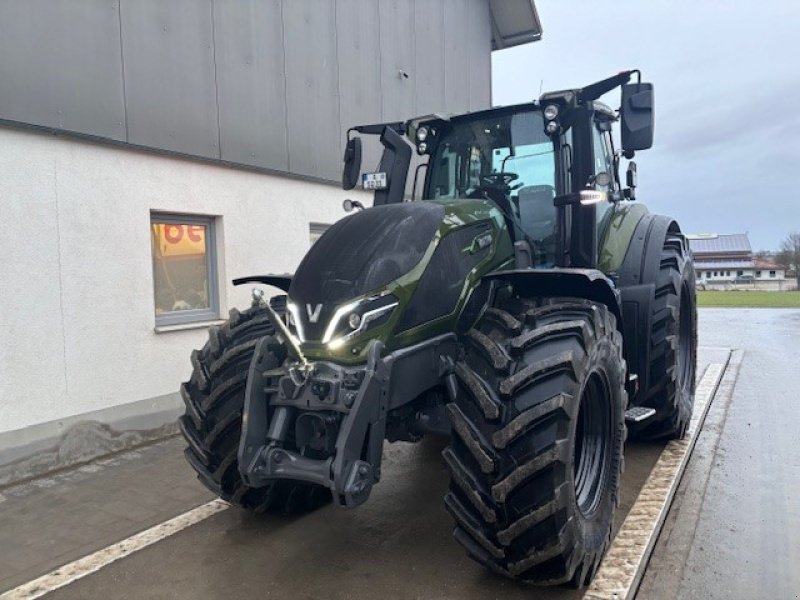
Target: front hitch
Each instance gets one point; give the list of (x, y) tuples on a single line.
[(359, 394)]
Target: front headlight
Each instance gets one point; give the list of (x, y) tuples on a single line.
[(357, 317)]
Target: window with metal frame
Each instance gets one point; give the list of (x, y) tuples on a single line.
[(185, 270), (603, 156)]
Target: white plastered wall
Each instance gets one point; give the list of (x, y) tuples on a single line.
[(76, 302)]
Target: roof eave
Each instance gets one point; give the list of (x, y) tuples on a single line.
[(514, 22)]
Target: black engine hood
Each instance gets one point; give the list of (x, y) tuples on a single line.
[(359, 254)]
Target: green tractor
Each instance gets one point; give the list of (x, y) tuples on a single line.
[(526, 306)]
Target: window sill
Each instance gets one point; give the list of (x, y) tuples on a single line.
[(187, 326)]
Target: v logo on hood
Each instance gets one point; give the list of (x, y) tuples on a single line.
[(313, 312)]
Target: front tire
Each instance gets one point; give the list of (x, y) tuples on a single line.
[(212, 423), (537, 449)]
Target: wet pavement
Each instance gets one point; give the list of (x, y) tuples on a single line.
[(734, 529), (53, 520), (399, 545)]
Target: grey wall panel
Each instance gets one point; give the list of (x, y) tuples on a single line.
[(397, 54), (60, 65), (312, 89), (169, 75), (456, 60), (251, 88), (358, 49), (358, 42), (269, 83), (479, 49), (429, 67)]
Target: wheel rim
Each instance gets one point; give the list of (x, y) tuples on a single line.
[(592, 443), (685, 340)]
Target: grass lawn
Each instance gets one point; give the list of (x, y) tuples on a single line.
[(755, 299)]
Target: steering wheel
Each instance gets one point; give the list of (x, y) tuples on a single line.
[(498, 179)]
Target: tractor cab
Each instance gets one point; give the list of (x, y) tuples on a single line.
[(550, 167), (504, 156)]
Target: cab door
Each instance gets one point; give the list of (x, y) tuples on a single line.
[(603, 162)]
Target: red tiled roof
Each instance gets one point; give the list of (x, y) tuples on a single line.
[(763, 264)]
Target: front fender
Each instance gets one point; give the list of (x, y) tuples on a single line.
[(590, 284), (282, 282)]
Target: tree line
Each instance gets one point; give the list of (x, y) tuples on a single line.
[(788, 256)]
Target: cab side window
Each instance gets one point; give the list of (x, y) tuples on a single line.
[(603, 160), (603, 163)]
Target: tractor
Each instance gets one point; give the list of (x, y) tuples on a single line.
[(521, 302)]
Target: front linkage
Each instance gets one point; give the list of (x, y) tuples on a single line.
[(335, 412)]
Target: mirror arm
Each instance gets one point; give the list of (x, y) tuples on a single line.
[(378, 128), (593, 91), (395, 162)]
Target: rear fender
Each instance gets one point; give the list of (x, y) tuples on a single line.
[(616, 232), (636, 278)]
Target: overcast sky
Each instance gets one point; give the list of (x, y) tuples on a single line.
[(726, 156)]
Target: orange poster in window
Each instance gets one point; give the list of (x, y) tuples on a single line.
[(179, 240)]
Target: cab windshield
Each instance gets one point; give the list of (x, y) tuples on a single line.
[(506, 158)]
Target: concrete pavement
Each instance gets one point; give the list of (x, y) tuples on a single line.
[(50, 521), (398, 545), (734, 529)]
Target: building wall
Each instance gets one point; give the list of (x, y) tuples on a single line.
[(269, 85), (266, 83), (728, 274), (765, 285), (76, 309)]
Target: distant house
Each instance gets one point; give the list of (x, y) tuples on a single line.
[(728, 258)]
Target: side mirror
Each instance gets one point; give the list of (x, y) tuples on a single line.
[(637, 120), (352, 163)]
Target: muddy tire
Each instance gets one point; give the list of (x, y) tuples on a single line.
[(536, 453), (673, 344), (212, 423)]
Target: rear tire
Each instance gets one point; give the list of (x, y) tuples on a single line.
[(537, 448), (212, 423), (673, 344)]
